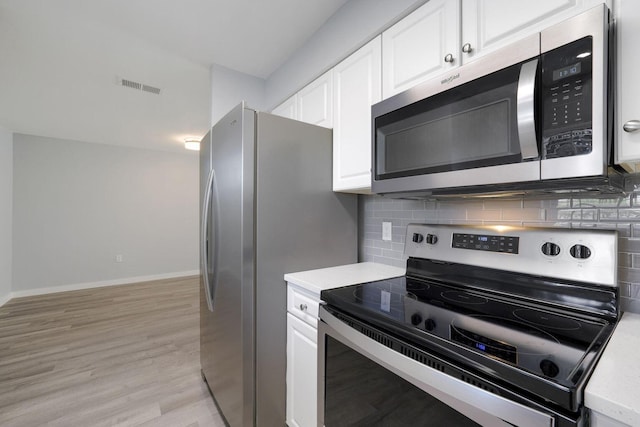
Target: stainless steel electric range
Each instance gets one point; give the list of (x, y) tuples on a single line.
[(490, 326)]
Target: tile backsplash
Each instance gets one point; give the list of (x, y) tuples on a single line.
[(619, 213)]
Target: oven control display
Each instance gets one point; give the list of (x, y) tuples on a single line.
[(501, 350), (480, 242)]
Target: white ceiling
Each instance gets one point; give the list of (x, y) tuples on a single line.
[(252, 36), (59, 60)]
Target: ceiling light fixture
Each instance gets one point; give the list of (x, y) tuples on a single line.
[(192, 144)]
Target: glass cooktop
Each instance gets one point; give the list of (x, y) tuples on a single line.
[(504, 329)]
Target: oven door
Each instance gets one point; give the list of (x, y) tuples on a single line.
[(363, 382)]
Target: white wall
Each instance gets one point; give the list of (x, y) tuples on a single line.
[(6, 203), (229, 87), (77, 205), (58, 78), (357, 22)]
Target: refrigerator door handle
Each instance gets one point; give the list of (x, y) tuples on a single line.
[(204, 241)]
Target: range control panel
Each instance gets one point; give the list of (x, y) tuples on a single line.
[(486, 242), (584, 255)]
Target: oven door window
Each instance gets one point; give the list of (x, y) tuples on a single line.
[(469, 126), (359, 392)]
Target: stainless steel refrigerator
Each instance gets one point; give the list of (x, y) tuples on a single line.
[(266, 209)]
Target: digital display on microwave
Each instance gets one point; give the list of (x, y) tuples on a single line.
[(570, 70)]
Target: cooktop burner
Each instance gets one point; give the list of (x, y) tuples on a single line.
[(461, 297), (494, 312), (547, 320)]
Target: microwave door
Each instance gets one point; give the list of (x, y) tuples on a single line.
[(479, 133), (474, 127)]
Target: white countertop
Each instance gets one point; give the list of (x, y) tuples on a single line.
[(614, 387), (344, 275)]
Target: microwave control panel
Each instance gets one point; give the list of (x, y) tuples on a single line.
[(567, 100)]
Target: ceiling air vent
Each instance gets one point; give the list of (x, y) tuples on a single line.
[(151, 89), (138, 86)]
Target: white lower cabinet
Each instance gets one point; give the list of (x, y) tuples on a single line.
[(302, 365), (302, 358)]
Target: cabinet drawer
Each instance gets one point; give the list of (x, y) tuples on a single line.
[(303, 305)]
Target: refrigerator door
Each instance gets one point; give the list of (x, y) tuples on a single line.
[(226, 309), (300, 225)]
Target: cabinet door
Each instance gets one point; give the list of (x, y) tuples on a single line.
[(315, 101), (287, 109), (356, 85), (490, 24), (414, 49), (302, 371), (627, 150)]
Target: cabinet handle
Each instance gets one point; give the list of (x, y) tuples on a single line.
[(448, 58), (303, 307), (632, 126), (466, 48)]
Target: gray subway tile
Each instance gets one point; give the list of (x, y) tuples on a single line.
[(633, 291), (484, 215), (452, 214), (625, 260), (503, 204), (413, 205), (629, 214), (630, 305), (608, 214), (630, 275), (629, 245), (528, 214)]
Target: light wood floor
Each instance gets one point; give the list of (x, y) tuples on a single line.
[(121, 355)]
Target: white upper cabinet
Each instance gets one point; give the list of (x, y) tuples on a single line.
[(315, 101), (313, 104), (417, 47), (288, 108), (356, 86), (627, 126), (444, 34), (491, 24)]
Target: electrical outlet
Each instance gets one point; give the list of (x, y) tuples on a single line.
[(119, 258), (386, 231)]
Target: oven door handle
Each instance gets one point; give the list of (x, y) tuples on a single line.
[(475, 403), (526, 110)]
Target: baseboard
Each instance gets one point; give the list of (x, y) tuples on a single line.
[(89, 285), (5, 299)]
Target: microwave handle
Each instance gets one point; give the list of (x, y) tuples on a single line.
[(526, 110)]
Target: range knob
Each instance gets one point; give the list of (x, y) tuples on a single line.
[(432, 239), (417, 238), (550, 249), (549, 368), (416, 319), (580, 252), (429, 324)]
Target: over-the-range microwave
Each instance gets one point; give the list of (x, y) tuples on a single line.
[(534, 115)]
